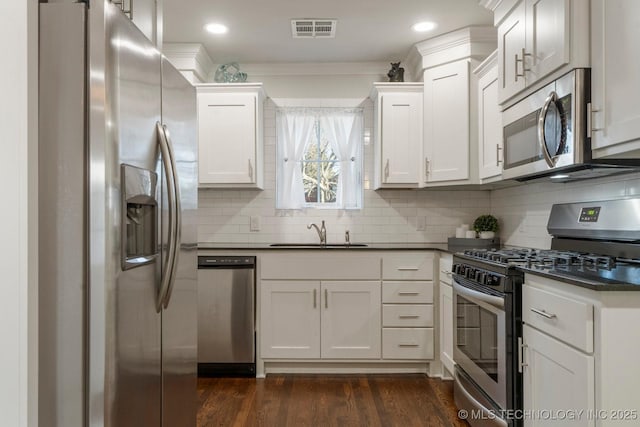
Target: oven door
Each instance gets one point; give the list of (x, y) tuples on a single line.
[(480, 340)]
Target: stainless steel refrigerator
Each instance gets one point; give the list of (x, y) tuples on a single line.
[(117, 240)]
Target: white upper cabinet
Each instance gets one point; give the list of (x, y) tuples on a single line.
[(615, 33), (398, 134), (230, 135), (489, 120), (511, 44), (446, 122), (450, 146), (548, 32), (539, 40)]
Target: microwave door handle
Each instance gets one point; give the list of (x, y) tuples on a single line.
[(177, 234), (165, 278), (553, 97)]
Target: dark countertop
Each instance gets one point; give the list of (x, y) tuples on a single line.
[(442, 247), (600, 284)]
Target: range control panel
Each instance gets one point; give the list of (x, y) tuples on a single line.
[(589, 214)]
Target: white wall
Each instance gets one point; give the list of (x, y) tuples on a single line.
[(18, 285), (387, 216), (524, 210)]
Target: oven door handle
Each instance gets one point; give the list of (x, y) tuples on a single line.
[(493, 300)]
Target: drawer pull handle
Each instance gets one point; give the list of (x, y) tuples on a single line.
[(315, 298), (406, 316), (544, 313), (408, 293), (408, 345), (448, 273), (408, 268)]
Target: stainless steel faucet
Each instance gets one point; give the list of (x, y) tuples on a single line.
[(322, 232)]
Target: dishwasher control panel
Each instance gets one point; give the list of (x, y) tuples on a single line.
[(226, 261)]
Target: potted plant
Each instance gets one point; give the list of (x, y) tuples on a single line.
[(486, 226)]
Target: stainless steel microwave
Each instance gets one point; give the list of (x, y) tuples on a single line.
[(546, 135)]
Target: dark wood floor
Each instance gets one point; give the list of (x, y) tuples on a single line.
[(327, 400)]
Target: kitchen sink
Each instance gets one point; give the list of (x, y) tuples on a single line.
[(318, 245)]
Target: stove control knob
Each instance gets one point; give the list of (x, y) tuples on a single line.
[(470, 273), (456, 268), (481, 276), (492, 280)]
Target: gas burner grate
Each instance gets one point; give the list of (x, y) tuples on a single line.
[(543, 258)]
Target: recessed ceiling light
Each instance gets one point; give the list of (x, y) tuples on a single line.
[(216, 28), (422, 27)]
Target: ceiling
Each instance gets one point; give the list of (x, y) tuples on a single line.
[(367, 31)]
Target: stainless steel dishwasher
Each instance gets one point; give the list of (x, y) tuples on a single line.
[(226, 315)]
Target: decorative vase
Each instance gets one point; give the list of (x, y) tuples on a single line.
[(487, 234)]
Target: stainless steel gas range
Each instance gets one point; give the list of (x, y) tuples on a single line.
[(595, 245)]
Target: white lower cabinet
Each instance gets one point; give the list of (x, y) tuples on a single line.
[(407, 306), (446, 312), (446, 326), (346, 311), (290, 319), (407, 343), (579, 354), (350, 320), (557, 378), (312, 319)]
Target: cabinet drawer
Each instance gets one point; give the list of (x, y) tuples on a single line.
[(446, 263), (407, 343), (567, 319), (314, 265), (411, 266), (407, 315), (407, 292)]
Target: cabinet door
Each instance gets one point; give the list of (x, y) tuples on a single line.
[(446, 122), (290, 319), (401, 129), (351, 320), (511, 41), (547, 40), (446, 326), (490, 125), (556, 378), (615, 31), (227, 138)]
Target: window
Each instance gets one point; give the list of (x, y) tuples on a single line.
[(319, 158)]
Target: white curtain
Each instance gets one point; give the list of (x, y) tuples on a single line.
[(344, 130), (294, 129)]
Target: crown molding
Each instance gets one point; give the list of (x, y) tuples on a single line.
[(487, 64), (489, 4), (191, 57), (475, 42)]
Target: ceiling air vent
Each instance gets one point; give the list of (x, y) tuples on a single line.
[(313, 28)]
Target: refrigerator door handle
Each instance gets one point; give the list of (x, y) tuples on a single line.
[(167, 273), (177, 232)]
